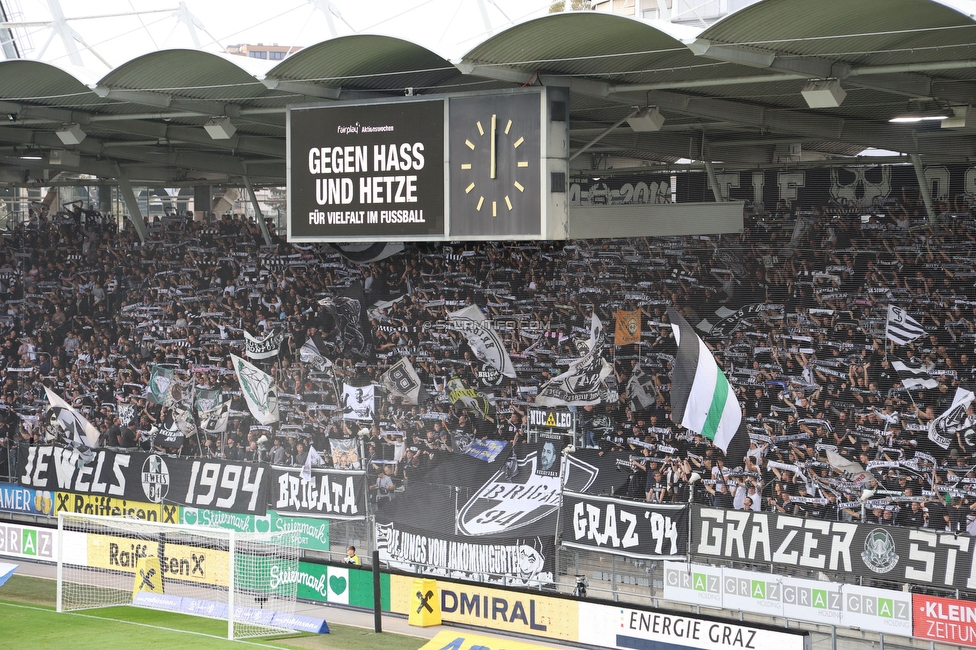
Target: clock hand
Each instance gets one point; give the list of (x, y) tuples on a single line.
[(494, 120)]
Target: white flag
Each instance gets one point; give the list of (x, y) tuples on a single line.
[(309, 353), (259, 390), (902, 328), (485, 342), (358, 402), (265, 347), (954, 419), (313, 458), (76, 428), (401, 379), (215, 420)]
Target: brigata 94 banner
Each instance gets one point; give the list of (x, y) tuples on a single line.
[(201, 483)]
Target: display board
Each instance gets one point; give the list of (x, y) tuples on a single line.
[(479, 166)]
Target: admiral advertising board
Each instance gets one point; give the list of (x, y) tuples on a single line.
[(366, 171), (623, 527), (813, 601), (222, 485), (486, 607), (923, 557)]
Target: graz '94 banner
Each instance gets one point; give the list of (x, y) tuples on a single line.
[(332, 493), (924, 557), (217, 484), (633, 528)]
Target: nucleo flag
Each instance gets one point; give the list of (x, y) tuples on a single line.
[(702, 399)]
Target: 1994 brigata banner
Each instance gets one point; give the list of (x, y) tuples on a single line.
[(374, 170), (631, 528), (218, 484), (924, 557)]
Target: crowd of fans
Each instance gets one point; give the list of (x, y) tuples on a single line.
[(794, 309)]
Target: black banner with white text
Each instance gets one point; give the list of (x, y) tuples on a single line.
[(633, 528), (332, 493), (202, 483), (891, 553)]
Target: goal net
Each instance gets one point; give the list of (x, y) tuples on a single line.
[(211, 572)]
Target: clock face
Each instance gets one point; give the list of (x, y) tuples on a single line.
[(495, 165)]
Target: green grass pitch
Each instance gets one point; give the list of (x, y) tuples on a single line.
[(28, 619)]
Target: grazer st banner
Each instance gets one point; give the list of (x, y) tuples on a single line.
[(889, 553), (366, 171), (222, 485)]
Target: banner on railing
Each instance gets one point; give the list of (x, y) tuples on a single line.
[(14, 498), (528, 613), (337, 494), (90, 504), (195, 482), (632, 528), (944, 620), (890, 553), (798, 599), (611, 626), (517, 561), (313, 534), (28, 542)]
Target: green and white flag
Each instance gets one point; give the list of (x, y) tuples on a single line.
[(160, 380), (259, 390), (207, 399), (702, 400)]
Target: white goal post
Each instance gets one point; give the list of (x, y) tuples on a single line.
[(211, 572)]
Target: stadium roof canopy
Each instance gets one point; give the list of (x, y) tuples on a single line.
[(730, 94)]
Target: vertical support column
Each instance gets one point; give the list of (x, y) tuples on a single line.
[(202, 203), (132, 205), (257, 211), (105, 199), (713, 181), (923, 187)]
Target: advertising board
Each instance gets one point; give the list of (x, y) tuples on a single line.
[(486, 607)]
